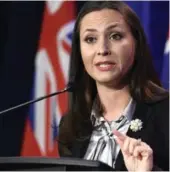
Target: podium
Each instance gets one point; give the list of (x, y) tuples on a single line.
[(50, 164)]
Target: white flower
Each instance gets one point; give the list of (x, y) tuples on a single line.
[(136, 125)]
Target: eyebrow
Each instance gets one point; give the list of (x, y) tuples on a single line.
[(108, 28)]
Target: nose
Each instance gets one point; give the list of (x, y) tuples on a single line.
[(104, 49), (104, 53)]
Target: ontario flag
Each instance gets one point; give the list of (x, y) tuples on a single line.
[(165, 66), (51, 75)]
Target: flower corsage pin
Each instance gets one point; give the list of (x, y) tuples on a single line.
[(136, 125)]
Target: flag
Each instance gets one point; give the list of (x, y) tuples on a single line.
[(165, 66), (51, 75)]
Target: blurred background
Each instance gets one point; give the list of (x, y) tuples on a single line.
[(35, 45)]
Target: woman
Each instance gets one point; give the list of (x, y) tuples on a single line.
[(118, 112)]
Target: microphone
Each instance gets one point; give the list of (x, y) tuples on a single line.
[(69, 88)]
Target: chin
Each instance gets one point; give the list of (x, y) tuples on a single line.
[(107, 79)]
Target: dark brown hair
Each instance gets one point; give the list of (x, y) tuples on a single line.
[(143, 81)]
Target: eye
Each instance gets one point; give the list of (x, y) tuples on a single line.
[(116, 36), (90, 40)]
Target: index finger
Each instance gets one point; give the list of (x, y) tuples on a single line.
[(121, 136)]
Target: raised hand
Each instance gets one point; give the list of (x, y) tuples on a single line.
[(138, 156)]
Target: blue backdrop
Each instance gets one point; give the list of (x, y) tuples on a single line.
[(154, 16)]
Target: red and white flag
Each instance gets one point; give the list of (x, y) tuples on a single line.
[(51, 75)]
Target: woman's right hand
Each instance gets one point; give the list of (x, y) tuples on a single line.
[(138, 156)]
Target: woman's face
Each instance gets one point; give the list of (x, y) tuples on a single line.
[(107, 46)]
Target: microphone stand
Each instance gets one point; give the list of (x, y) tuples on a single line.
[(69, 88)]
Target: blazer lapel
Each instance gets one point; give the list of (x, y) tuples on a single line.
[(80, 147), (142, 112)]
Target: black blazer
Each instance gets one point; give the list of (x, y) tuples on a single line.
[(155, 132)]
